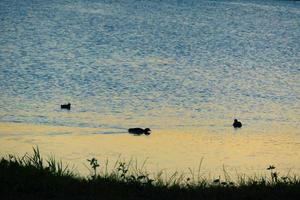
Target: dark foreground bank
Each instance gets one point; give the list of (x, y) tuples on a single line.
[(31, 177)]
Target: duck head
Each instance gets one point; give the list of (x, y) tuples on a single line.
[(147, 131)]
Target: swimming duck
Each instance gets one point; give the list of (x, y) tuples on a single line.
[(66, 106), (139, 131), (237, 124)]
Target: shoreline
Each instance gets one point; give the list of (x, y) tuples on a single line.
[(33, 177)]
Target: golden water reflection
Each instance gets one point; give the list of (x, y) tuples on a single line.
[(242, 151)]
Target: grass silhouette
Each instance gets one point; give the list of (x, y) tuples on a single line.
[(32, 177)]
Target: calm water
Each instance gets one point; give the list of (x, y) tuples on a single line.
[(184, 68)]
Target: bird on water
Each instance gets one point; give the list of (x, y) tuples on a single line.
[(139, 131), (66, 106), (237, 124)]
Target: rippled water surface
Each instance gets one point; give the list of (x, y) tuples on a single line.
[(184, 68)]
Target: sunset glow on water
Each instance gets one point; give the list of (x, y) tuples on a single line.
[(185, 69)]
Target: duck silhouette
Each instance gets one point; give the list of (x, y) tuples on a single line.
[(139, 131), (237, 124), (66, 106)]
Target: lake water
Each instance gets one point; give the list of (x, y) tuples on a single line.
[(183, 68)]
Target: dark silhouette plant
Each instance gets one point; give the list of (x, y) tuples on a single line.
[(274, 174), (94, 165), (122, 169)]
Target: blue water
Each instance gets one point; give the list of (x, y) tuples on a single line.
[(159, 64)]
